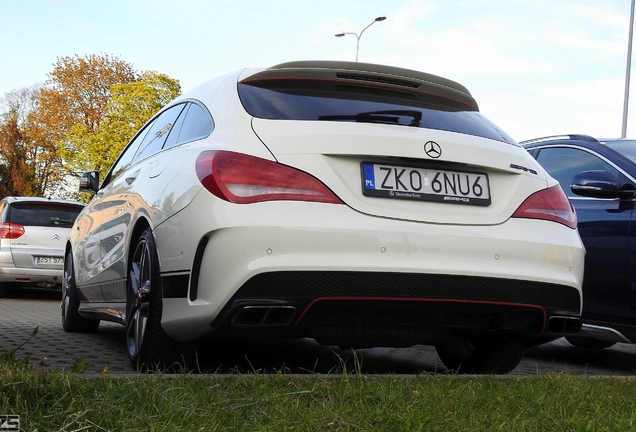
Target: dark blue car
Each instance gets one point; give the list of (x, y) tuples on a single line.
[(599, 177)]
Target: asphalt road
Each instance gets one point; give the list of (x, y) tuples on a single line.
[(52, 348)]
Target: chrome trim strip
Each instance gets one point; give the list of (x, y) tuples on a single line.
[(103, 313)]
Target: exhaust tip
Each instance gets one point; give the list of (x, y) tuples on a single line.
[(564, 325), (264, 316)]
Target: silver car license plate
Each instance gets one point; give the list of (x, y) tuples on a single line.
[(425, 184), (43, 260)]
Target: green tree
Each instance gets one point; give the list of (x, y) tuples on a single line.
[(130, 106)]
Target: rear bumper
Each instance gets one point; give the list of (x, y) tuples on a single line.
[(32, 276), (522, 277)]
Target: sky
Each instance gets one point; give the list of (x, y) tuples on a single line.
[(536, 67)]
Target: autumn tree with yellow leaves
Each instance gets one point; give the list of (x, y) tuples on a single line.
[(26, 167), (130, 105), (82, 117)]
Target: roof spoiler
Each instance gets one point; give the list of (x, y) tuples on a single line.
[(371, 75)]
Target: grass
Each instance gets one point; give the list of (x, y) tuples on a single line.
[(49, 401)]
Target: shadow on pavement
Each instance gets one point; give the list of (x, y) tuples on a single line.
[(31, 293), (305, 356), (619, 359), (24, 309)]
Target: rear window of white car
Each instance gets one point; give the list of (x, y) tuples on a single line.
[(326, 101), (43, 214)]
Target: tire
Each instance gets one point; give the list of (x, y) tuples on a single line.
[(486, 356), (149, 347), (72, 322), (583, 342)]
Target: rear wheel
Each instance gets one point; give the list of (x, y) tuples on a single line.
[(583, 342), (485, 356), (149, 347), (72, 322)]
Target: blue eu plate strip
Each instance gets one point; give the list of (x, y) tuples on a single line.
[(369, 177)]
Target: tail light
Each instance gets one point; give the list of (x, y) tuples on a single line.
[(10, 230), (244, 179), (548, 204)]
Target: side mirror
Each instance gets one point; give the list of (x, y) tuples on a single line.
[(89, 182), (599, 184)]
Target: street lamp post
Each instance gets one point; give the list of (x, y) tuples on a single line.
[(341, 33), (627, 73)]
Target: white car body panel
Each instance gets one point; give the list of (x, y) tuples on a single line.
[(334, 237), (332, 152)]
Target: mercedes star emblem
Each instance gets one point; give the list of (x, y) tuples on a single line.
[(432, 149)]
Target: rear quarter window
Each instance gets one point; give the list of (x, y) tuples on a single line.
[(194, 124)]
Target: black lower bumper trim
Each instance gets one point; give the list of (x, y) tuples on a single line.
[(397, 309), (317, 284)]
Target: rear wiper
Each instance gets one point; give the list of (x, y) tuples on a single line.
[(388, 116)]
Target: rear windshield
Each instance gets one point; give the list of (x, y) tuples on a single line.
[(327, 101), (43, 214)]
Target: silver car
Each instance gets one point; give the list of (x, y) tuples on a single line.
[(32, 236)]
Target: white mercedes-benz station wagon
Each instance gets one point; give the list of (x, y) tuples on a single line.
[(356, 204)]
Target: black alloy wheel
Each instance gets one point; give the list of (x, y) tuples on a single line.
[(148, 345), (72, 321)]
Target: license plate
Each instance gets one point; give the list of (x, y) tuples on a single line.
[(49, 260), (425, 184)]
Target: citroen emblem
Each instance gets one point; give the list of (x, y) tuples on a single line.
[(432, 149), (55, 237)]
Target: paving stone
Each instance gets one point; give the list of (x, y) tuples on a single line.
[(53, 348)]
